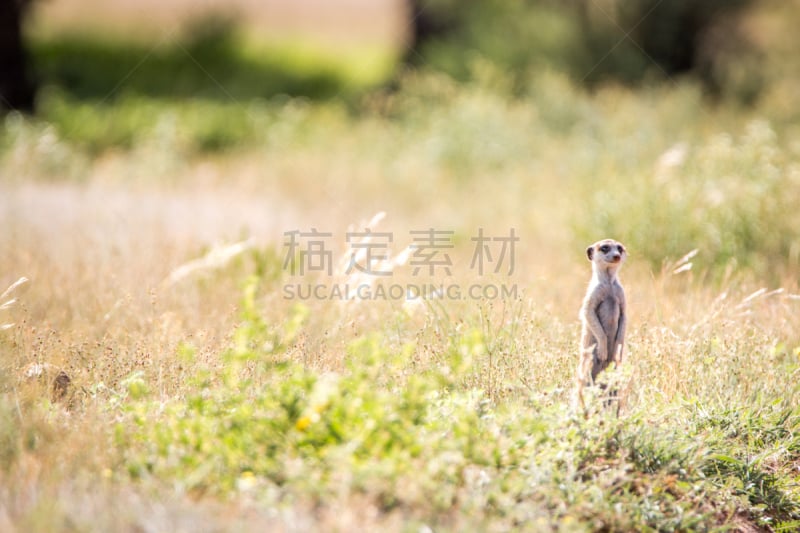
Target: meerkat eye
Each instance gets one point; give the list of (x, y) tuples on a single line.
[(604, 248), (620, 249)]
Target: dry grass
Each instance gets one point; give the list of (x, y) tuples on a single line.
[(708, 344)]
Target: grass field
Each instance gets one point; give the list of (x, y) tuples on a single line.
[(204, 399)]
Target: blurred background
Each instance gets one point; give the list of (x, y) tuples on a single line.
[(154, 155), (107, 50), (379, 104)]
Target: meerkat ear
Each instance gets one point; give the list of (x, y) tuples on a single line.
[(590, 252)]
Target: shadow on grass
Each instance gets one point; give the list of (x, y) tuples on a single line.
[(212, 64)]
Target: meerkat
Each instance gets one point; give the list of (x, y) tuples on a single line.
[(603, 314)]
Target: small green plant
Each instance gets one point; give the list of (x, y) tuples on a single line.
[(430, 441)]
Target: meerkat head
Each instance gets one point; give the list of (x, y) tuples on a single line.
[(607, 254)]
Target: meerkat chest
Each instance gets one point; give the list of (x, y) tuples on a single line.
[(608, 310), (609, 306)]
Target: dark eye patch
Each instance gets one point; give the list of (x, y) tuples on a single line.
[(620, 249), (604, 248)]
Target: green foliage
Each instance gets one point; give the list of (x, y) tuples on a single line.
[(9, 433), (500, 32), (213, 63), (449, 419), (427, 442), (731, 198), (265, 417), (755, 447), (728, 195), (212, 90), (592, 42), (174, 129)]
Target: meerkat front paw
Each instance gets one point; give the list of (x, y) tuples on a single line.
[(602, 353)]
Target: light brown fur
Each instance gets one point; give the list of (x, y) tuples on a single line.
[(603, 314)]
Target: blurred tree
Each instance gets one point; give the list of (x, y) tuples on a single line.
[(16, 89), (429, 20), (672, 32), (702, 39), (456, 36), (592, 40)]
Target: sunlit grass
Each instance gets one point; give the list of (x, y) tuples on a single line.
[(152, 235)]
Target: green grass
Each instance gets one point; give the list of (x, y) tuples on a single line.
[(210, 402), (214, 62), (425, 445), (105, 93)]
